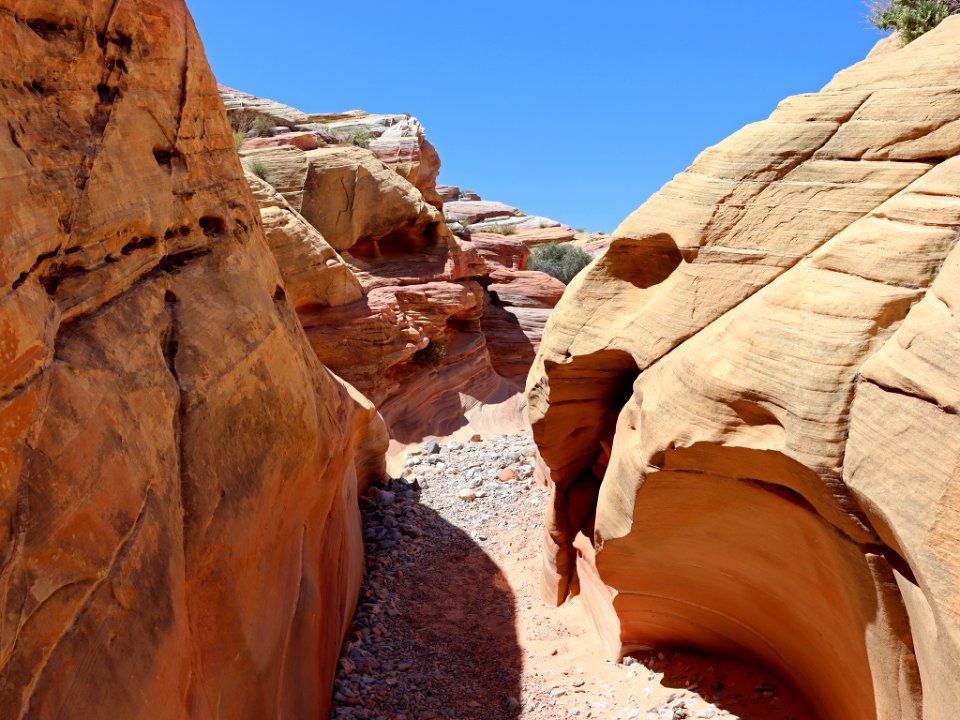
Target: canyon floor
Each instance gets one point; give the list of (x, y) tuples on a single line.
[(450, 624)]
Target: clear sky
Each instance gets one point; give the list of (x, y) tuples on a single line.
[(574, 110)]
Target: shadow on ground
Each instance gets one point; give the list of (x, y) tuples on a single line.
[(434, 633), (741, 688)]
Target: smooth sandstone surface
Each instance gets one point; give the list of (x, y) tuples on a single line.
[(747, 407), (178, 473)]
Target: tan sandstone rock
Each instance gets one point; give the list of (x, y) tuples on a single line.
[(347, 194), (313, 272), (178, 472), (747, 407)]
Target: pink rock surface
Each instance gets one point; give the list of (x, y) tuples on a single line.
[(301, 140)]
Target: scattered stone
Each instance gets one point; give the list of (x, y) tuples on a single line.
[(467, 494), (431, 447), (507, 475), (384, 497)]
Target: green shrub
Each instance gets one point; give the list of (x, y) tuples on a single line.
[(238, 139), (502, 230), (580, 230), (258, 167), (562, 261), (241, 121), (360, 137), (912, 18), (263, 127), (432, 355)]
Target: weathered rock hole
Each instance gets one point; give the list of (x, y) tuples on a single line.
[(122, 41), (107, 94), (52, 279), (212, 226), (725, 587), (165, 156), (21, 279), (178, 260), (46, 29), (138, 244), (279, 295), (118, 64)]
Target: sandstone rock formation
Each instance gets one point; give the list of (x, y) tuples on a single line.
[(747, 407), (438, 331), (399, 141), (468, 211), (178, 473)]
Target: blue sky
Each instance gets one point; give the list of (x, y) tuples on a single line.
[(574, 110)]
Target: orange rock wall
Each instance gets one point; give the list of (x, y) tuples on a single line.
[(178, 523)]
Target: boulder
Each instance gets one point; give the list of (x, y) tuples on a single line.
[(497, 252), (313, 273), (515, 316), (300, 140), (178, 472), (405, 148), (240, 103), (347, 194), (448, 193), (525, 288), (476, 210), (542, 235), (363, 340), (747, 407)]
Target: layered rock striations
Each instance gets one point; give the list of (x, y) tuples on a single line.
[(437, 330), (399, 141), (747, 407), (178, 472)]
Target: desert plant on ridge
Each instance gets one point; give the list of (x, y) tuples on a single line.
[(499, 229), (263, 127), (911, 18), (432, 355), (361, 137), (562, 261), (256, 166)]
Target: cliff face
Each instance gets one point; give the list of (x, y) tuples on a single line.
[(748, 407), (438, 330), (178, 472)]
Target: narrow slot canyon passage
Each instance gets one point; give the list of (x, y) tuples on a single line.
[(450, 624)]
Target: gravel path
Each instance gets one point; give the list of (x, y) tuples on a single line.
[(449, 624)]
